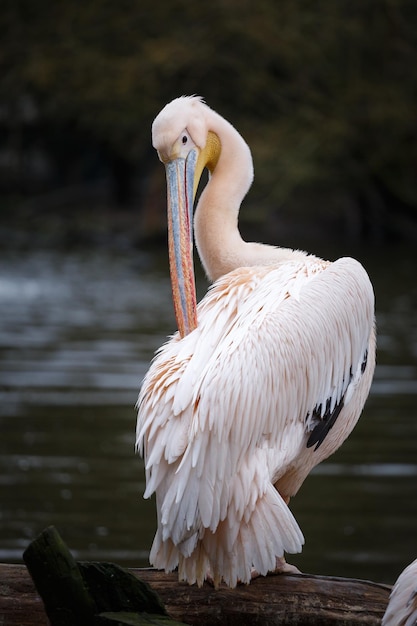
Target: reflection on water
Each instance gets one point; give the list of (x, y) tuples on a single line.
[(77, 333)]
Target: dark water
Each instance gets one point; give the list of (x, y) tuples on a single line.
[(77, 332)]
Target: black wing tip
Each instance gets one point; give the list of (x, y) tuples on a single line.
[(317, 436), (321, 430), (327, 421)]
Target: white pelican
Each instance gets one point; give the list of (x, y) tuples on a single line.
[(402, 605), (265, 378)]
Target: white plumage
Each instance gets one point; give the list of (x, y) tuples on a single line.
[(402, 605), (235, 414)]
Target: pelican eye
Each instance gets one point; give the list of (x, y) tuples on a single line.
[(184, 139)]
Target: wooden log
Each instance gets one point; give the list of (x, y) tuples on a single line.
[(127, 618), (59, 581), (287, 600), (82, 594)]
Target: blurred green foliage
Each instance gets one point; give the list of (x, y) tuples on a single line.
[(324, 92)]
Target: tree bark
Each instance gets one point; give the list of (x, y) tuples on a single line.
[(274, 600), (59, 580)]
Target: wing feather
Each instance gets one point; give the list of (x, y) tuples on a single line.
[(272, 355), (402, 605)]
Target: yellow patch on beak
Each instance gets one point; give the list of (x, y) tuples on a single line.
[(208, 157)]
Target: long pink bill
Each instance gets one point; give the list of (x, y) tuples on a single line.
[(180, 181)]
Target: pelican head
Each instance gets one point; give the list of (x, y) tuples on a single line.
[(186, 146)]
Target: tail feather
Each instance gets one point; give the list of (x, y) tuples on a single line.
[(235, 547)]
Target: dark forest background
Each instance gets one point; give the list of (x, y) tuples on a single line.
[(324, 92)]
